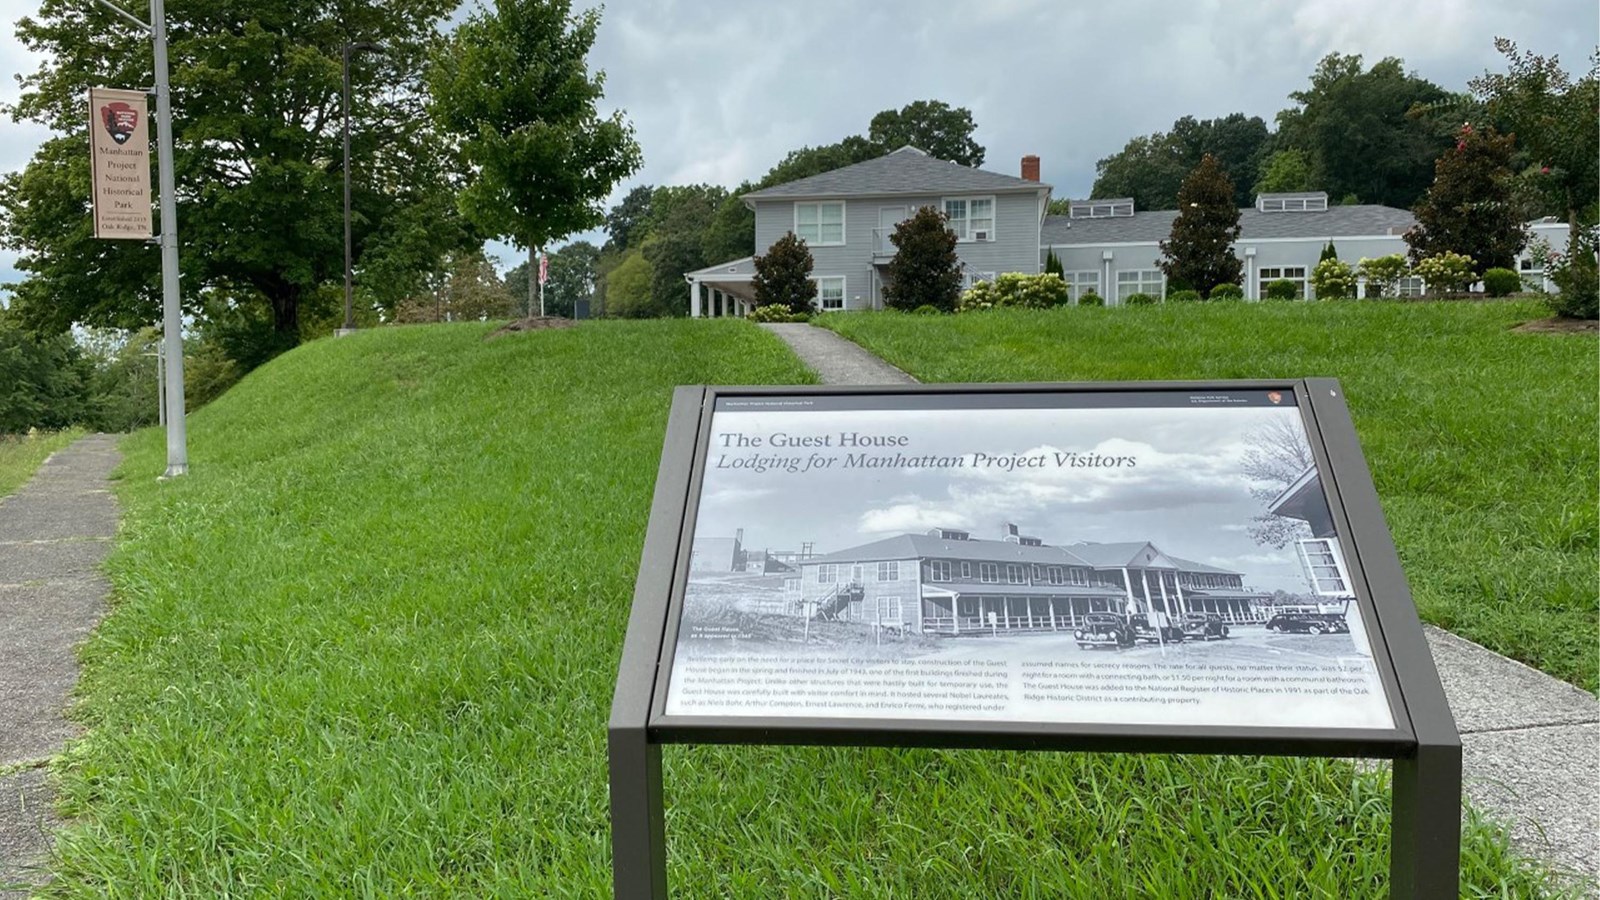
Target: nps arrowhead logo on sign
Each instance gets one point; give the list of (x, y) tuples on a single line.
[(120, 120)]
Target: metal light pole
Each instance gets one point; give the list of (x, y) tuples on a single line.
[(349, 313), (171, 308)]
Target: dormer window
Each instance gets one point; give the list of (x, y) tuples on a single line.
[(1309, 202), (1100, 209)]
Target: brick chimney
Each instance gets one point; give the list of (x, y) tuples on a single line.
[(1030, 167)]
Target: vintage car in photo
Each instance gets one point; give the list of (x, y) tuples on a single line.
[(1203, 626), (1166, 632), (1308, 623), (1103, 630)]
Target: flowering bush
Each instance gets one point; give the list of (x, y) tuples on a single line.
[(1015, 289), (1382, 274), (776, 312), (1283, 289), (1333, 279), (1446, 273), (1577, 277)]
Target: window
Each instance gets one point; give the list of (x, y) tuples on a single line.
[(1103, 209), (827, 573), (1139, 281), (1409, 286), (819, 224), (1268, 203), (1055, 575), (1080, 576), (989, 573), (1296, 274), (968, 279), (966, 570), (1016, 574), (939, 570), (889, 571), (1323, 567), (830, 292), (1080, 283), (971, 217), (1038, 572)]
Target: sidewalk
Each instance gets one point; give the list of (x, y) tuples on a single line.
[(1530, 742), (54, 533)]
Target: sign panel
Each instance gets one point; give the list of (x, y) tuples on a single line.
[(119, 164), (1127, 558)]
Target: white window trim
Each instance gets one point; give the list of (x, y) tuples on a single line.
[(844, 290), (843, 225), (994, 216), (1161, 289), (1075, 289), (1303, 279)]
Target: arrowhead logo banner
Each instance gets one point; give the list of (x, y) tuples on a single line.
[(120, 119)]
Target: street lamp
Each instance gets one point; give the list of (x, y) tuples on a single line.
[(349, 315)]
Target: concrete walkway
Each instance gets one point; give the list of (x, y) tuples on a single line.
[(54, 533), (834, 359), (1530, 742)]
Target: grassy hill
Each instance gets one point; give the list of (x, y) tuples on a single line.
[(1481, 440), (367, 650)]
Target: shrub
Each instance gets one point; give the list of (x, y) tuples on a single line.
[(1333, 279), (1282, 289), (1052, 265), (1184, 297), (777, 312), (783, 277), (1498, 282), (1577, 276), (1228, 291), (1090, 298), (928, 309), (925, 268), (1139, 300), (1446, 273), (1382, 274), (1014, 289)]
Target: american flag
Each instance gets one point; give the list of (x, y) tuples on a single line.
[(544, 268)]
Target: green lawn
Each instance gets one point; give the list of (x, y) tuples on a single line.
[(21, 455), (367, 650), (1482, 441)]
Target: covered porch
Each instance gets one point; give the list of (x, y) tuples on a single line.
[(722, 290)]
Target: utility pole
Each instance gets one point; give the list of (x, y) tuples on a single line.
[(171, 307)]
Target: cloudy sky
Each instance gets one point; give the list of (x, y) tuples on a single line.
[(1185, 492), (719, 90)]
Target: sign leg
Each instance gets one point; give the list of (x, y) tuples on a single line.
[(638, 822), (1425, 838)]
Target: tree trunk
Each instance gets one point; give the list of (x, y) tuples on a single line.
[(286, 312)]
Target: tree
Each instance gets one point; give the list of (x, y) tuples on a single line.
[(925, 270), (1150, 169), (468, 291), (1052, 265), (627, 217), (256, 153), (1275, 457), (1469, 208), (675, 232), (43, 379), (1354, 125), (1199, 254), (628, 288), (1328, 252), (808, 161), (1556, 120), (783, 276), (732, 232), (942, 131), (513, 86), (1285, 172)]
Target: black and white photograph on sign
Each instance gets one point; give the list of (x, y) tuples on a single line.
[(1172, 564)]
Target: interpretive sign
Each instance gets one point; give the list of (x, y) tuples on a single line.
[(119, 164), (1122, 567)]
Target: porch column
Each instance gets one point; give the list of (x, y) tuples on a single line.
[(694, 298), (1177, 584), (722, 304), (1161, 585), (1127, 587)]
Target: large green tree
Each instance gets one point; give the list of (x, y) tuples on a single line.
[(942, 131), (925, 270), (1358, 127), (1557, 123), (1151, 168), (1469, 208), (512, 84), (628, 218), (1285, 171), (43, 379), (256, 97), (1199, 255)]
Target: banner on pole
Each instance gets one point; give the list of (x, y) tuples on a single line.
[(119, 164), (544, 268)]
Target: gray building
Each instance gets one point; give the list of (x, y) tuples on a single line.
[(846, 216)]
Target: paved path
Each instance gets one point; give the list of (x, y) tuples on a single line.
[(1530, 742), (54, 533), (834, 359)]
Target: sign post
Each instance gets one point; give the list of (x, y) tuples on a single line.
[(1022, 642)]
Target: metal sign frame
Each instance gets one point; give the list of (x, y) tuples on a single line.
[(1424, 744)]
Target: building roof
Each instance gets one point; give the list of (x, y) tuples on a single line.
[(1119, 554), (738, 268), (904, 171), (914, 546), (1189, 565), (1156, 225)]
